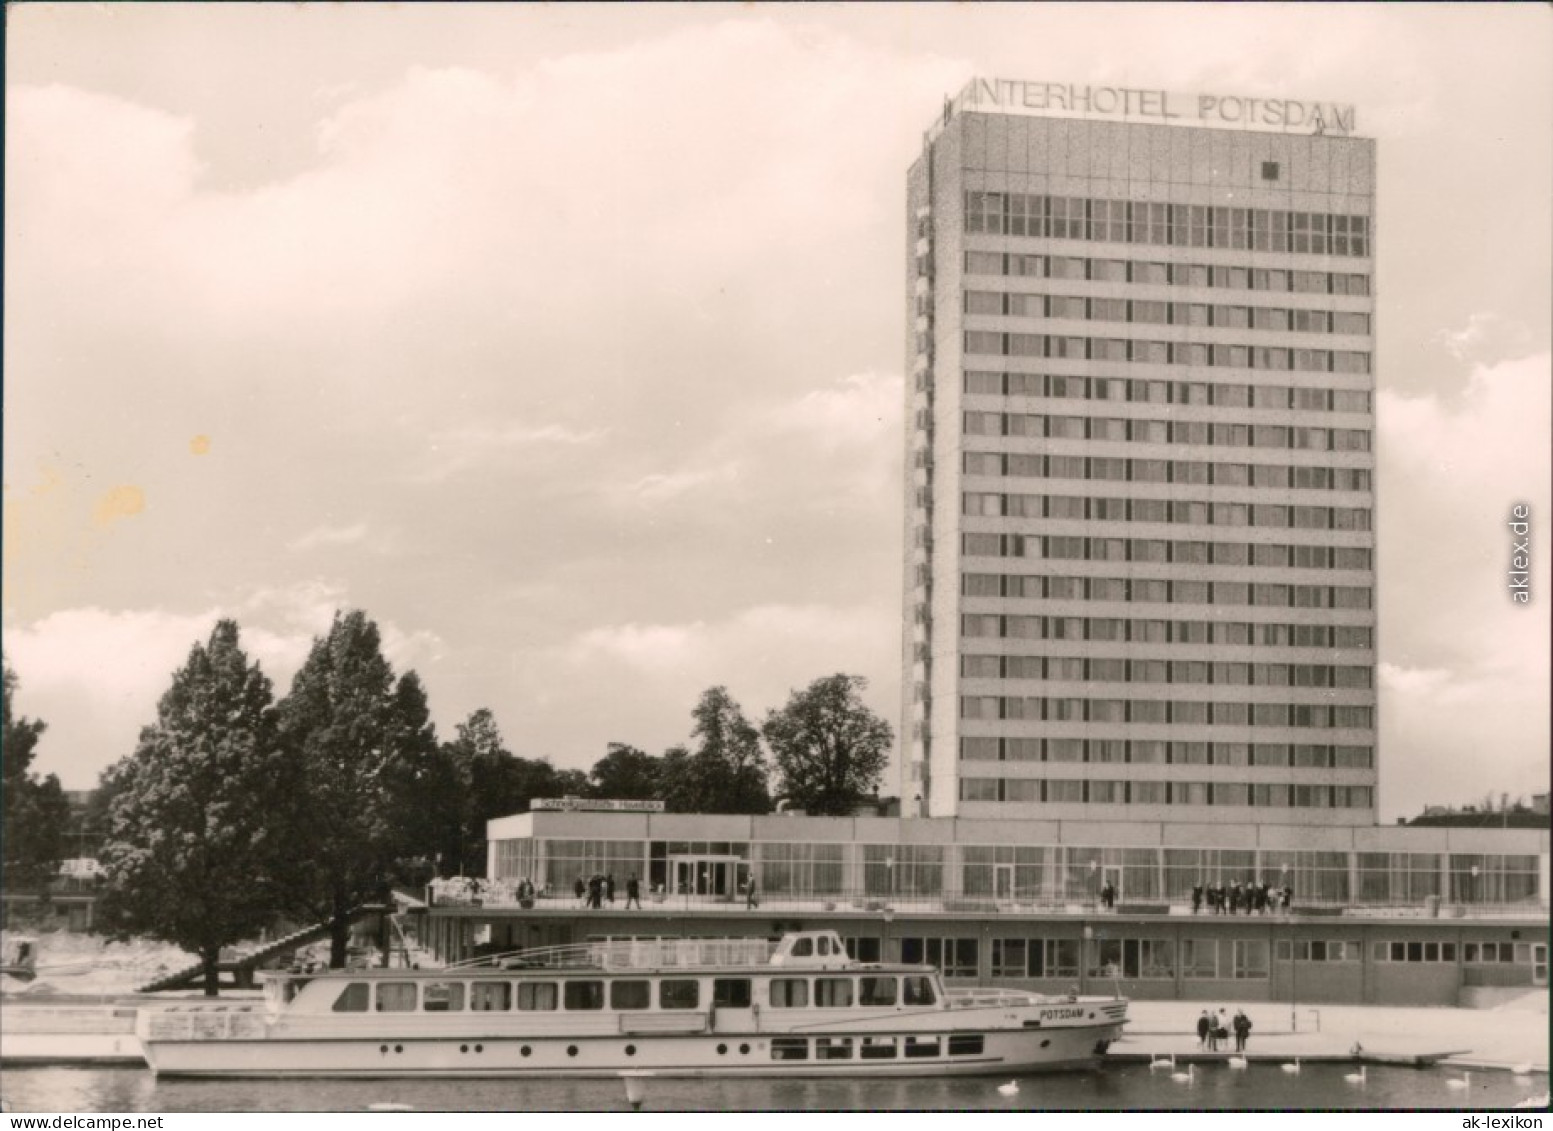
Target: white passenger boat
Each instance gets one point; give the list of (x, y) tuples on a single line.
[(677, 1007)]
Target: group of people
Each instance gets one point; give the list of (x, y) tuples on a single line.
[(599, 889), (1237, 898), (1212, 1029), (1108, 895)]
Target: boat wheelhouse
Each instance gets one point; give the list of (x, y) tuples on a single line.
[(688, 1007)]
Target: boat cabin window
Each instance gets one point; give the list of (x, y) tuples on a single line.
[(443, 997), (354, 998), (922, 1046), (876, 991), (679, 993), (823, 942), (584, 995), (919, 990), (833, 1048), (832, 993), (789, 1048), (876, 1048), (802, 948), (396, 997), (490, 996), (789, 993), (537, 996), (965, 1044), (633, 994), (733, 993)]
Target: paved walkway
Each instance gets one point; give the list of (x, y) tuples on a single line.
[(1498, 1038)]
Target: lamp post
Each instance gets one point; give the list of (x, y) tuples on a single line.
[(889, 881), (1294, 957), (1475, 895)]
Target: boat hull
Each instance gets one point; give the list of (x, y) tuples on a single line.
[(1010, 1052)]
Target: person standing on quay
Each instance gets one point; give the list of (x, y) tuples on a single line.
[(1242, 1026), (633, 892), (1204, 1026), (1196, 898)]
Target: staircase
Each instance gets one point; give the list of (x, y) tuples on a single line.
[(242, 969)]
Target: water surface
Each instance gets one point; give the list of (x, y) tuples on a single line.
[(1114, 1087)]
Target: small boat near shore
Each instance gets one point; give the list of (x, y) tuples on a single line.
[(671, 1007)]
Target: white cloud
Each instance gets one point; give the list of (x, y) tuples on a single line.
[(1488, 338), (858, 411), (1467, 675), (484, 447), (660, 487), (350, 535), (1412, 681)]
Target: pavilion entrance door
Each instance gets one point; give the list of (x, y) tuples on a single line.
[(717, 877), (1112, 874), (1003, 882)]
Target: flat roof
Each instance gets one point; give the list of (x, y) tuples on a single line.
[(778, 828)]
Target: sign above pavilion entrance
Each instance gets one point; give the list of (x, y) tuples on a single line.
[(593, 805), (1130, 104)]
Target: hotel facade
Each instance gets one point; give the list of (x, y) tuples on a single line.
[(1139, 604), (1140, 552)]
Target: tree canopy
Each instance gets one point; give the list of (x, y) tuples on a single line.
[(194, 831), (493, 783), (350, 736), (830, 749), (626, 772), (725, 770), (35, 813)]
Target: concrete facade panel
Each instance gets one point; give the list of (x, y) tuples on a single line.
[(997, 143), (973, 134), (697, 826), (1018, 148)]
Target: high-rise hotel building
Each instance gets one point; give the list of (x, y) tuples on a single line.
[(1140, 550)]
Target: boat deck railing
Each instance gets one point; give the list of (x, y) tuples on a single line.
[(633, 954), (204, 1023), (993, 997), (497, 895)]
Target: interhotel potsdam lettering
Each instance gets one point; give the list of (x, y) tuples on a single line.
[(1139, 601)]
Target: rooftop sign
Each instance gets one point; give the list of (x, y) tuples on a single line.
[(1127, 104), (593, 805)]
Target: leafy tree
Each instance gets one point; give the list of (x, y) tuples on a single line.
[(495, 783), (726, 772), (192, 831), (350, 740), (830, 749), (626, 772), (424, 792), (568, 783), (487, 774), (35, 813), (677, 780)]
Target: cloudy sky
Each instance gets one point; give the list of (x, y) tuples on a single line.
[(567, 342)]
